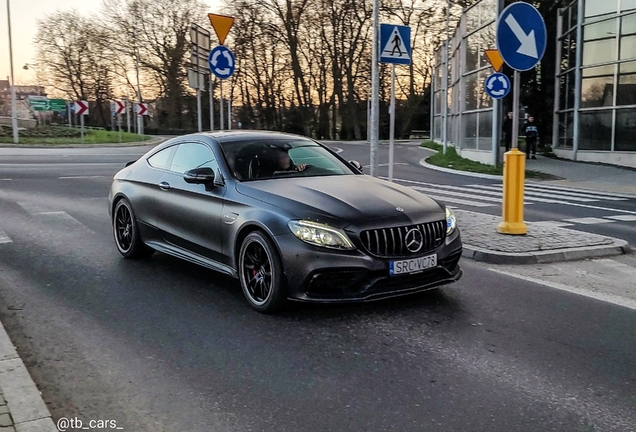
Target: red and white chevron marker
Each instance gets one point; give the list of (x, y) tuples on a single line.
[(119, 107), (81, 108), (141, 108)]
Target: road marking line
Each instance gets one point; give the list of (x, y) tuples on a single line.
[(552, 224), (337, 149), (82, 177), (6, 179), (624, 268), (583, 190), (456, 194), (386, 165), (460, 201), (533, 194), (624, 218), (605, 297), (573, 204), (4, 238), (588, 221), (562, 191)]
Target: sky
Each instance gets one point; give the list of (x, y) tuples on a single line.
[(24, 16)]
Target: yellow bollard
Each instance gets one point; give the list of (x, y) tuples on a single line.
[(514, 179)]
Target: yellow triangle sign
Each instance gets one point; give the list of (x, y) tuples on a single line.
[(495, 59), (222, 25)]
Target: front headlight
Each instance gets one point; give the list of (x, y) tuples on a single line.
[(451, 221), (319, 234)]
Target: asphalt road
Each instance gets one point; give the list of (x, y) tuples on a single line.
[(161, 345)]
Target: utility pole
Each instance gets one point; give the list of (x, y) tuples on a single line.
[(375, 90), (140, 118), (14, 108)]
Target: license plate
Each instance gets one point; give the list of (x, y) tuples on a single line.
[(412, 265)]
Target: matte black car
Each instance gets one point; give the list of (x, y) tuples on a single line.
[(287, 216)]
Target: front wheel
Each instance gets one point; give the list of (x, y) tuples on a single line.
[(126, 232), (261, 274)]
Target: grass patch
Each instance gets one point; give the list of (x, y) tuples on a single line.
[(454, 161), (432, 145), (67, 135)]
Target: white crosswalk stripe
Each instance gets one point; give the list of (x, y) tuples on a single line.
[(491, 195), (4, 238)]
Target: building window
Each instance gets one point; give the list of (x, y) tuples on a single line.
[(628, 5), (595, 131), (596, 8), (485, 130), (626, 94), (597, 91), (625, 130)]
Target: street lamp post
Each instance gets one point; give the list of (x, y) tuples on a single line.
[(14, 108)]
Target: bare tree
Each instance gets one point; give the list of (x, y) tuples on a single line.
[(156, 34)]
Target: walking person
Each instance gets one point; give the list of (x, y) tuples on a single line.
[(531, 132), (507, 131)]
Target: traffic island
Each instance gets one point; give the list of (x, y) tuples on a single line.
[(541, 244)]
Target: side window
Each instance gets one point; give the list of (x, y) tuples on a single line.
[(161, 159), (190, 156)]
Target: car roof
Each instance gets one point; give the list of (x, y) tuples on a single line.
[(241, 135)]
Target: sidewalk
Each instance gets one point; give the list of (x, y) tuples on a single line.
[(541, 244), (21, 406), (586, 175)]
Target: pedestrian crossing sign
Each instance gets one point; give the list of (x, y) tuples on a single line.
[(395, 44)]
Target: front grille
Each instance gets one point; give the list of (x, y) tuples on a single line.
[(392, 242)]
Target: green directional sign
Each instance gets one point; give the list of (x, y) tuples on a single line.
[(44, 104), (57, 105)]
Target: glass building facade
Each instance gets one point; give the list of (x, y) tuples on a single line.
[(469, 125), (595, 99)]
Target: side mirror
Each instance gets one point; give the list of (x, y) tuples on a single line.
[(357, 165), (200, 176)]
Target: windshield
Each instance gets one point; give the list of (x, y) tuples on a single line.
[(275, 158)]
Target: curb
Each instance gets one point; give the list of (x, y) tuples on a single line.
[(619, 247), (458, 172), (94, 145), (26, 406)]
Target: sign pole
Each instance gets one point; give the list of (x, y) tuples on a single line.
[(392, 127), (119, 124), (375, 90), (229, 113), (221, 105), (199, 119), (82, 122), (211, 104), (69, 114)]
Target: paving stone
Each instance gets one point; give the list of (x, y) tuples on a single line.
[(480, 230), (6, 420)]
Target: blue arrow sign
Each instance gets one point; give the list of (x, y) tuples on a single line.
[(222, 62), (521, 36), (497, 86), (395, 44)]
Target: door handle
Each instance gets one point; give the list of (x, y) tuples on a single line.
[(164, 185)]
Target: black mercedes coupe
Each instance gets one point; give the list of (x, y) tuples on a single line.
[(287, 216)]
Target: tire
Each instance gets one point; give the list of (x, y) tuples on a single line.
[(261, 274), (126, 232)]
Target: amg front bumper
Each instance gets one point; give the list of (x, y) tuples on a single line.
[(314, 274)]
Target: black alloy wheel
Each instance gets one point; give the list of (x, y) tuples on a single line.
[(261, 274), (126, 232)]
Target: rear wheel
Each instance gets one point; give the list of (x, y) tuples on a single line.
[(126, 232), (261, 274)]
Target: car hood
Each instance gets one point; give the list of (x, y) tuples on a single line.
[(344, 200)]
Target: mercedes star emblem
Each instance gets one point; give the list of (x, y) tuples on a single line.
[(414, 240)]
